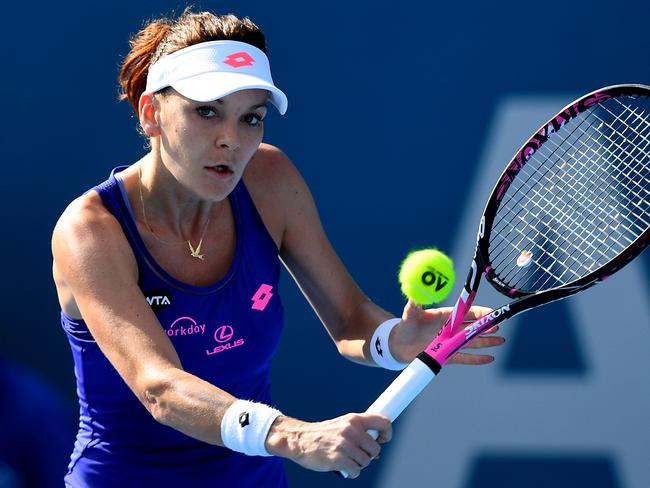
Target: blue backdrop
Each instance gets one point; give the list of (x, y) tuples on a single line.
[(394, 110)]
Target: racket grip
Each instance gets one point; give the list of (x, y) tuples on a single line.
[(400, 393)]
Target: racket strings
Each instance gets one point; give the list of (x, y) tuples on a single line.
[(638, 191), (589, 254), (609, 242), (507, 222), (548, 169), (645, 192), (623, 179), (640, 150), (578, 202), (584, 151), (532, 233)]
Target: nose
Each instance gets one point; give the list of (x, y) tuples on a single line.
[(228, 136)]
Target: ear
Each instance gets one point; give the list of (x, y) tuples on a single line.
[(147, 111)]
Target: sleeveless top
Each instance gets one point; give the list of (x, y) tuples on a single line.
[(225, 333)]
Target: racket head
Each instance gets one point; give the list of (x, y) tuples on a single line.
[(573, 205)]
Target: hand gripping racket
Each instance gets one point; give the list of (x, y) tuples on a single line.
[(569, 210)]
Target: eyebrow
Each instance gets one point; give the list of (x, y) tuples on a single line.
[(254, 107)]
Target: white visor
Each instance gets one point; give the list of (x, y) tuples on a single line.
[(211, 70)]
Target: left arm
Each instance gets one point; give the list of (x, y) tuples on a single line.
[(349, 316)]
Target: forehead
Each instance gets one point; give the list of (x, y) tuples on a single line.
[(240, 99)]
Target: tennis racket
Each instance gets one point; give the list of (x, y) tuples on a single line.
[(569, 210)]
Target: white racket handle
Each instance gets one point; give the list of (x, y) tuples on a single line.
[(400, 393)]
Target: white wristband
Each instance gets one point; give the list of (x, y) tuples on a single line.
[(379, 346), (245, 426)]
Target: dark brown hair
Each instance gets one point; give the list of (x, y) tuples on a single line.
[(163, 36)]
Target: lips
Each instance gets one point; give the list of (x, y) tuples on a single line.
[(220, 170)]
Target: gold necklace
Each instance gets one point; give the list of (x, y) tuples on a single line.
[(195, 252)]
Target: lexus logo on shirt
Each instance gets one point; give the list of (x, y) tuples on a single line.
[(223, 333), (224, 338)]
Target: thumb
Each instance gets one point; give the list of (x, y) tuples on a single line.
[(411, 308), (379, 423)]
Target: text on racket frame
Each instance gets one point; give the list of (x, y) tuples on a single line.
[(471, 330)]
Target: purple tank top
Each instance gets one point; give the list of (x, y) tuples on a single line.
[(225, 333)]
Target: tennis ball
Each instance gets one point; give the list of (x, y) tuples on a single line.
[(427, 276)]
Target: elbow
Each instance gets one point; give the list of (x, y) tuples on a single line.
[(338, 338), (347, 348), (154, 396), (346, 339)]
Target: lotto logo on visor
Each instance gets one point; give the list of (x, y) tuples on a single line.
[(239, 60), (212, 70)]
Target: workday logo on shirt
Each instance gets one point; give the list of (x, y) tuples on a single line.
[(185, 326)]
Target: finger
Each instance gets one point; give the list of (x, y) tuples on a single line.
[(410, 304), (357, 455), (384, 437), (471, 359), (485, 341), (380, 423), (476, 312), (491, 330), (350, 468), (370, 446), (444, 311), (412, 309)]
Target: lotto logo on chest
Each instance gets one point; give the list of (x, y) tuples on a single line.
[(262, 297)]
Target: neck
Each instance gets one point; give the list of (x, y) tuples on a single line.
[(171, 210)]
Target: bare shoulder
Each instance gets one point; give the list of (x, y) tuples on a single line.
[(271, 166), (85, 219), (87, 231), (275, 185)]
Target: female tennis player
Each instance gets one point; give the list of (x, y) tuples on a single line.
[(167, 276)]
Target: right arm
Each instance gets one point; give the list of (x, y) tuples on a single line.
[(94, 264), (96, 274)]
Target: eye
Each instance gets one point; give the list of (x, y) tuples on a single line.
[(206, 111), (254, 120)]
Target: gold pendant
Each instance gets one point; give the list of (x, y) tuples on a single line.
[(195, 252)]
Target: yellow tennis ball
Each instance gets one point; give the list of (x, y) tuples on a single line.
[(427, 276)]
